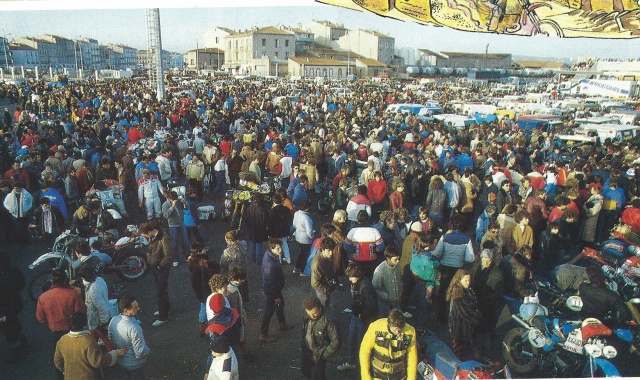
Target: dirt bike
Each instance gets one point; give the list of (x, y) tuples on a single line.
[(129, 262)]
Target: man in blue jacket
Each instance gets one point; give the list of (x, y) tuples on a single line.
[(272, 285), (55, 198), (613, 200)]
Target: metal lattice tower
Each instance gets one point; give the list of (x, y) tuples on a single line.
[(154, 51)]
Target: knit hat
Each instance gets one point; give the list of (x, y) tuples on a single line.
[(217, 303), (416, 227), (486, 254)]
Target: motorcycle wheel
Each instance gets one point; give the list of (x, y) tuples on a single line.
[(132, 268), (519, 355), (39, 284)]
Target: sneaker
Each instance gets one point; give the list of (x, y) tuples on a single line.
[(156, 314), (407, 315), (175, 263), (286, 261), (346, 367), (302, 274), (296, 271), (159, 323)]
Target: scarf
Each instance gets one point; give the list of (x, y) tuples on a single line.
[(47, 221)]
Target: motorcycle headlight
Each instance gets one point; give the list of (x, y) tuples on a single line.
[(593, 350), (609, 352)]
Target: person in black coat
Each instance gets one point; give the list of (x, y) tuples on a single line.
[(48, 221), (254, 225), (11, 284), (550, 245), (598, 301), (279, 224), (487, 283), (464, 316)]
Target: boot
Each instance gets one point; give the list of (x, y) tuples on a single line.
[(202, 326)]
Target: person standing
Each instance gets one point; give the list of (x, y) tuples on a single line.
[(194, 172), (464, 316), (149, 190), (78, 355), (11, 284), (364, 243), (487, 283), (172, 210), (279, 224), (378, 360), (237, 279), (57, 304), (320, 339), (272, 286), (364, 310), (125, 332), (323, 279), (303, 232), (387, 281), (19, 203), (255, 227), (159, 257)]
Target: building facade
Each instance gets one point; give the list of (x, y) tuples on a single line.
[(464, 60), (204, 59), (326, 32), (216, 37), (5, 53), (119, 57), (53, 51), (369, 44), (247, 51), (312, 67), (88, 54), (23, 55)]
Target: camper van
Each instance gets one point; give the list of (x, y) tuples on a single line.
[(627, 117)]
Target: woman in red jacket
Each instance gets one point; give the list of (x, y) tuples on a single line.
[(377, 192)]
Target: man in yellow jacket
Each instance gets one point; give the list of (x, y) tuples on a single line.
[(389, 350)]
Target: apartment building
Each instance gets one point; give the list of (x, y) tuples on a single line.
[(369, 44), (259, 51)]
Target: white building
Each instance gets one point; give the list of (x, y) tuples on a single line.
[(53, 51), (326, 32), (215, 38), (263, 51), (369, 44), (204, 59), (304, 38)]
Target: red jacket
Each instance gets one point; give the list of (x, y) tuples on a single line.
[(631, 217), (56, 305), (396, 200), (376, 190), (135, 135), (22, 176)]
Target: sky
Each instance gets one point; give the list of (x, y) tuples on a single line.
[(183, 28)]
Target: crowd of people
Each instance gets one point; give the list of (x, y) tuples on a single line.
[(430, 224)]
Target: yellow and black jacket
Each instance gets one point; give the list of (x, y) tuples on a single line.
[(388, 357)]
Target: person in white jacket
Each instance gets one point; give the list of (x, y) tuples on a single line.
[(164, 166), (303, 232), (19, 203), (149, 190)]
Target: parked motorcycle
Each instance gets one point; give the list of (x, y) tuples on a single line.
[(556, 347), (129, 262), (441, 363)]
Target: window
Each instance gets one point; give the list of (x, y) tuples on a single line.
[(277, 42), (217, 40), (330, 72), (324, 73), (339, 72), (264, 53), (264, 42), (286, 43), (286, 55), (276, 54)]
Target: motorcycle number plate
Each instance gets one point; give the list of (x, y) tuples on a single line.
[(536, 338), (574, 342)]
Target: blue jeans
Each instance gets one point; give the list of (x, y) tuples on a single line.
[(419, 298), (202, 314), (133, 374), (221, 183), (356, 334), (179, 235), (255, 251), (385, 307)]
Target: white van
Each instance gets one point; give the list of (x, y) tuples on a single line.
[(457, 121), (615, 132)]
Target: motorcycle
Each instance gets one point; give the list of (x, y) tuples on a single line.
[(129, 262), (441, 363), (559, 348)]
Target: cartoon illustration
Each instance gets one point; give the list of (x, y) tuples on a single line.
[(562, 18)]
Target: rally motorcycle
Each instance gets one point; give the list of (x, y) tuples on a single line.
[(560, 348)]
